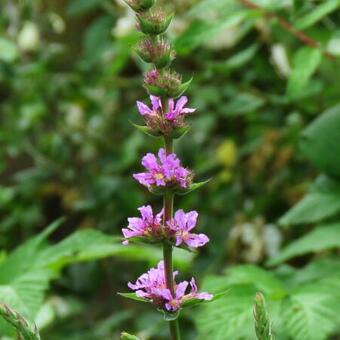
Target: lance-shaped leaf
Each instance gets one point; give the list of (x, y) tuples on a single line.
[(133, 296), (192, 187)]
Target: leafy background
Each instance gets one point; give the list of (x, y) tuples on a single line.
[(267, 131)]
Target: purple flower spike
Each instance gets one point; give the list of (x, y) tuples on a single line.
[(182, 224), (152, 286), (177, 110), (146, 226), (162, 172)]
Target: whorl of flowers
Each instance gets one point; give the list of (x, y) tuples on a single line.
[(164, 173), (152, 286)]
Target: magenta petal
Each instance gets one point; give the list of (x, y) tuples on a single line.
[(181, 103), (191, 219), (196, 240), (143, 109), (205, 296), (156, 102), (181, 288)]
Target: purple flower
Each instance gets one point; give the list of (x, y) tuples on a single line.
[(160, 121), (177, 110), (152, 286), (146, 226), (182, 224), (144, 110), (165, 171)]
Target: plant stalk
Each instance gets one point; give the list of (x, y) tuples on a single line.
[(167, 248)]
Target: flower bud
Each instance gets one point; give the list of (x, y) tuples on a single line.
[(167, 83), (140, 5), (156, 51), (153, 22)]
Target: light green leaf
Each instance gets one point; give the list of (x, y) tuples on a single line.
[(133, 296), (241, 58), (320, 142), (323, 201), (315, 15), (265, 281), (305, 62), (320, 239), (201, 31), (192, 187), (229, 317), (310, 313)]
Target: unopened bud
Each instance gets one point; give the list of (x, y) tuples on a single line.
[(166, 83), (140, 5), (154, 22), (156, 51)]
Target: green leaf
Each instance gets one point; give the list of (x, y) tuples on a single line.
[(320, 142), (305, 62), (241, 58), (192, 187), (265, 281), (323, 201), (310, 313), (320, 239), (133, 296), (195, 302), (229, 317), (146, 130), (325, 8), (307, 298), (201, 31)]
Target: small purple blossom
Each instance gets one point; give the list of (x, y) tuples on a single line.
[(178, 110), (182, 224), (144, 110), (164, 171), (149, 225), (152, 286)]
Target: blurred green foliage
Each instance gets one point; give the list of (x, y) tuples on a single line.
[(68, 85)]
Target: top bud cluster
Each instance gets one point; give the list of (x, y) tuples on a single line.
[(160, 81)]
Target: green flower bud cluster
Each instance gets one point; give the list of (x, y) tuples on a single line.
[(155, 49)]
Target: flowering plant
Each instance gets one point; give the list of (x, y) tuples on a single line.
[(164, 174)]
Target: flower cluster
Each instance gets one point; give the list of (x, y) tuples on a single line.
[(152, 286), (164, 121), (166, 171), (176, 230)]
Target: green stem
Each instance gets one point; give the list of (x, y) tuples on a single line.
[(174, 330), (167, 248)]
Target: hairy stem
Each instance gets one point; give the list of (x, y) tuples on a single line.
[(167, 248)]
